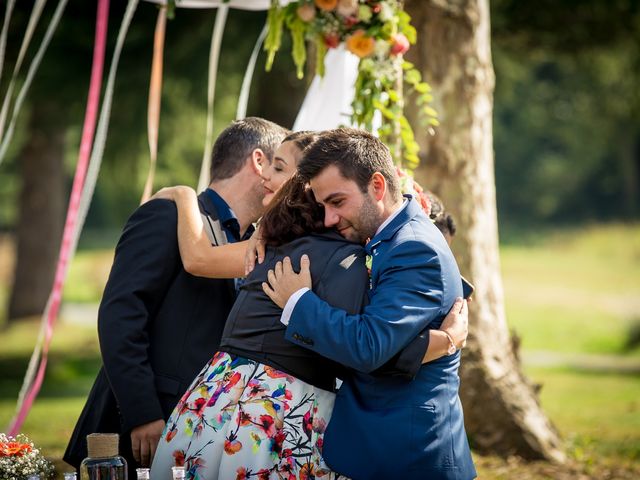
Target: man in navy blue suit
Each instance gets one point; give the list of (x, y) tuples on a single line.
[(382, 427)]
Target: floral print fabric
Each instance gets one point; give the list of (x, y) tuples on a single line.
[(241, 419)]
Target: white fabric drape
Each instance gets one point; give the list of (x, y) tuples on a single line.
[(328, 100)]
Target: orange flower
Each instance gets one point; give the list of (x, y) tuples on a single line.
[(326, 5), (178, 456), (361, 44), (232, 446), (16, 449)]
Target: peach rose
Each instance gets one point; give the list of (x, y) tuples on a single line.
[(347, 8), (326, 5), (399, 44), (306, 12), (361, 44)]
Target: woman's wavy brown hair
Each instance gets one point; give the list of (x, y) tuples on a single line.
[(292, 213)]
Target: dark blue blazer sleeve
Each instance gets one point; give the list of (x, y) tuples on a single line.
[(407, 297), (146, 262), (407, 362)]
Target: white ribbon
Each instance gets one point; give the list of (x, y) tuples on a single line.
[(35, 63), (214, 55), (5, 30), (243, 99)]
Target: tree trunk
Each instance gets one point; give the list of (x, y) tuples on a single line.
[(502, 412), (41, 212)]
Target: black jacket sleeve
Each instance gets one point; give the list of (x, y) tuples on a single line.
[(146, 261)]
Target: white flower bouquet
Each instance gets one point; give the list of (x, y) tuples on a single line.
[(19, 459)]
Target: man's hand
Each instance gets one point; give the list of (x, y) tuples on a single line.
[(255, 249), (456, 323), (284, 282), (144, 441)]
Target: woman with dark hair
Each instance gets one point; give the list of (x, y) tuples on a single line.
[(260, 406)]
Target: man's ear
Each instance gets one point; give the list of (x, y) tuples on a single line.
[(258, 160), (378, 186)]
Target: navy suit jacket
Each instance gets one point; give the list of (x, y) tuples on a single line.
[(389, 427)]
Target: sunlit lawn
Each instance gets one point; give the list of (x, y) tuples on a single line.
[(594, 410), (574, 293), (577, 291)]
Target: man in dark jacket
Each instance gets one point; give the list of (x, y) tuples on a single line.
[(157, 324)]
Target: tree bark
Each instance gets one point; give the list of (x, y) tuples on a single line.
[(502, 412), (41, 212)]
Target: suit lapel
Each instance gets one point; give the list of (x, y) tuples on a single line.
[(378, 244), (408, 212), (212, 225), (213, 228)]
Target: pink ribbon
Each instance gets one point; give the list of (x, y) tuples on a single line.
[(53, 304)]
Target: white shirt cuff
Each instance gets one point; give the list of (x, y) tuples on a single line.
[(291, 304)]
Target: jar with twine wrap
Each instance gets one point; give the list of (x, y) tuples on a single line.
[(103, 461)]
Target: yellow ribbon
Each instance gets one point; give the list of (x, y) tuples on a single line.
[(155, 93)]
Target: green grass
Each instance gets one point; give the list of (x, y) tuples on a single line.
[(87, 276), (575, 291), (597, 413), (73, 362), (50, 422)]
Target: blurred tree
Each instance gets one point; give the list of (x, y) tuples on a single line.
[(567, 118), (502, 413), (39, 227)]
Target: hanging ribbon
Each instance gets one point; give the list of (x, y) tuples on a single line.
[(155, 91), (214, 55), (75, 218), (26, 40), (243, 99), (4, 32), (35, 63)]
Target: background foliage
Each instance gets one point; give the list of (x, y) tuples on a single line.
[(567, 105)]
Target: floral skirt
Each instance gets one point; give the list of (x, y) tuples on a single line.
[(241, 419)]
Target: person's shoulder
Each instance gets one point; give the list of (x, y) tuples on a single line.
[(419, 229), (158, 206), (333, 241), (416, 238), (156, 209), (152, 217)]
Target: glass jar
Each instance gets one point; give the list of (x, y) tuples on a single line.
[(179, 473), (142, 473), (103, 461)]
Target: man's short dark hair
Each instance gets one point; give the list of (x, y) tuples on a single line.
[(356, 153), (238, 140)]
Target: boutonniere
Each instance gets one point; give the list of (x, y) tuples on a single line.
[(368, 263)]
